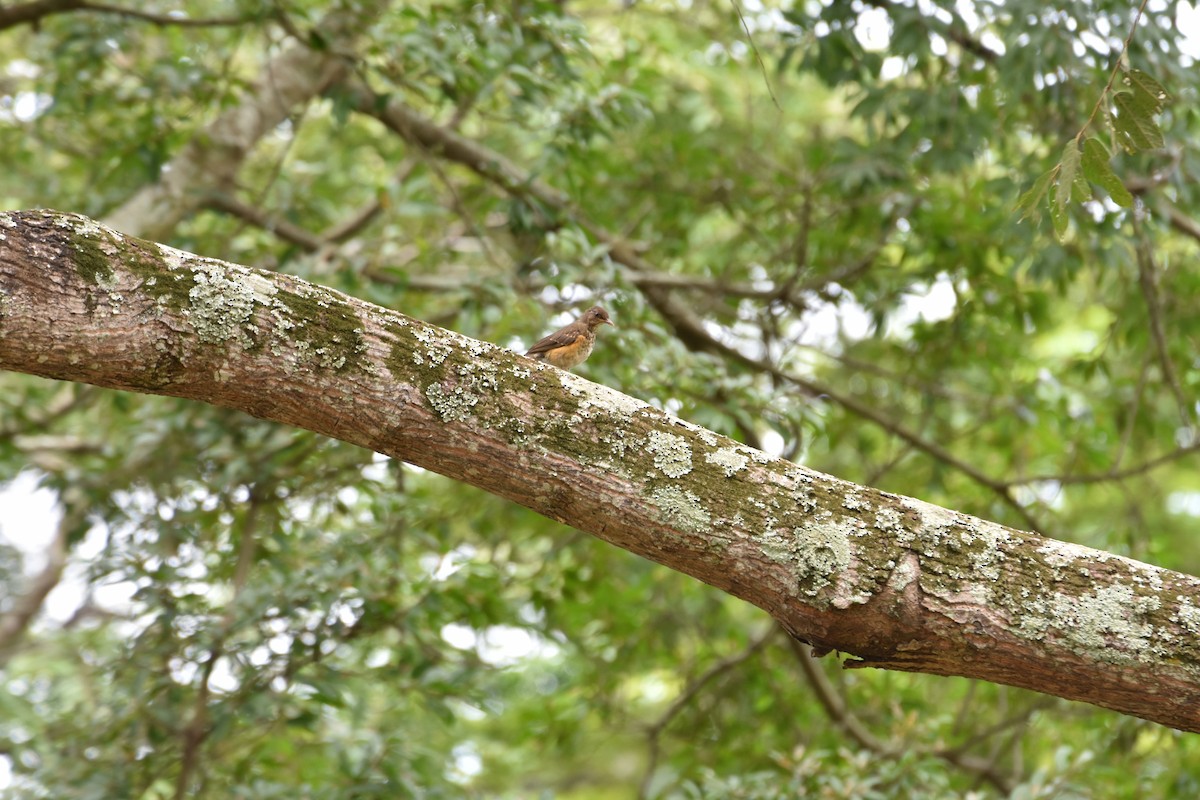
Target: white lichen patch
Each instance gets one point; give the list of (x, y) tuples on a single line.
[(479, 348), (1106, 617), (797, 475), (332, 357), (571, 383), (682, 509), (1187, 615), (816, 554), (6, 220), (987, 562), (617, 441), (475, 379), (598, 400), (1143, 574), (704, 434), (436, 350), (1064, 554), (1034, 623), (904, 572), (939, 528), (889, 520), (180, 260), (453, 405), (825, 549), (759, 457), (480, 376), (728, 459), (602, 399), (222, 302), (987, 543), (84, 225), (672, 454)]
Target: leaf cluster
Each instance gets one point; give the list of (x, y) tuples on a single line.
[(1085, 161)]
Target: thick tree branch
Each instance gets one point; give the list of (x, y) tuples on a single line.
[(898, 583)]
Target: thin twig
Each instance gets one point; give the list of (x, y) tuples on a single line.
[(1147, 279), (838, 712), (1132, 415), (1115, 474), (197, 728), (1116, 69), (758, 56), (654, 731)]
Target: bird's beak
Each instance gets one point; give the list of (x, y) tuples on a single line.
[(610, 322)]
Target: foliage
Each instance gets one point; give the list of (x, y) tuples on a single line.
[(266, 614), (1131, 118)]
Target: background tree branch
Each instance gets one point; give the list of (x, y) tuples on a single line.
[(211, 160)]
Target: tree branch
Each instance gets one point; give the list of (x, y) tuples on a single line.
[(897, 582), (197, 729), (35, 11), (14, 624), (1114, 474), (694, 687), (211, 160), (1148, 281), (840, 714)]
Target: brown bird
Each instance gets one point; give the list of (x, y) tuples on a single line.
[(570, 346)]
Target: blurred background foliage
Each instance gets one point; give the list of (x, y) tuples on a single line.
[(825, 263)]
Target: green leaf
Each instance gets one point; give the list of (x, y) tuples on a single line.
[(1027, 203), (1095, 159), (1146, 90), (1068, 172), (1097, 170), (1081, 190), (1134, 124), (1059, 217)]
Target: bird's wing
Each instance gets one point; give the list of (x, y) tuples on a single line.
[(562, 338)]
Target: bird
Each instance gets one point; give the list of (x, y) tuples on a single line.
[(569, 346)]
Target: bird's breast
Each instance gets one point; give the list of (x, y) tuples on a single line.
[(572, 354)]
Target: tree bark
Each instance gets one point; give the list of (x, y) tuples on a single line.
[(895, 582)]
